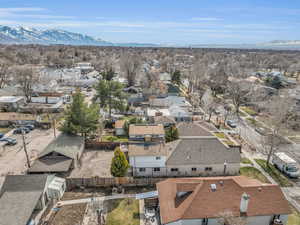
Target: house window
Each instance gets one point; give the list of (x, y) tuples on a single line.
[(156, 169), (194, 169), (208, 168), (204, 221), (157, 158), (142, 169), (174, 169)]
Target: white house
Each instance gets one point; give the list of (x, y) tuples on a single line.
[(147, 159), (11, 103), (203, 201)]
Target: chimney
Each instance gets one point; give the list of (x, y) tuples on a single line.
[(244, 203)]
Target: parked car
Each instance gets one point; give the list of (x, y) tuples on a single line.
[(9, 141), (19, 130), (231, 123), (286, 164), (29, 126), (1, 135)]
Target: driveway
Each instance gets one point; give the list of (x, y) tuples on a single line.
[(13, 159)]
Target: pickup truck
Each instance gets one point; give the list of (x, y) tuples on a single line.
[(286, 164)]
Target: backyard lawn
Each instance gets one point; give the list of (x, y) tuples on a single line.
[(274, 173), (123, 212), (253, 173), (294, 218)]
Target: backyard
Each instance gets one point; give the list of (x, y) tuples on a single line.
[(123, 212)]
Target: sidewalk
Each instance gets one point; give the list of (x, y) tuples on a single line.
[(88, 200)]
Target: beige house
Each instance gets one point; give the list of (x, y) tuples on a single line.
[(203, 201), (119, 127), (146, 132)]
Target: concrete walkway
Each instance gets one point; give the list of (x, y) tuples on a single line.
[(88, 200)]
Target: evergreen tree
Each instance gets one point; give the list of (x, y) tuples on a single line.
[(80, 118), (171, 134), (108, 74), (119, 164), (176, 77), (111, 95)]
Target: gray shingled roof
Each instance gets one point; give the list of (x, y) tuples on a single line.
[(52, 165), (192, 129), (19, 197), (67, 145), (201, 150)]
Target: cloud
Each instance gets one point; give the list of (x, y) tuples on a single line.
[(25, 9), (206, 19)]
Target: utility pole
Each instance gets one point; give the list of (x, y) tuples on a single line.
[(25, 148)]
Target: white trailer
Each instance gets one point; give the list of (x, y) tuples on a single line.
[(286, 164)]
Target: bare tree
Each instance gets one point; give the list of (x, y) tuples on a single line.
[(3, 73), (227, 218), (239, 93), (130, 66), (26, 76), (279, 111)]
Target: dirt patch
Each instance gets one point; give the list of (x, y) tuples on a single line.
[(94, 163), (87, 193), (68, 215)]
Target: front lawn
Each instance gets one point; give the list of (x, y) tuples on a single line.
[(123, 212), (274, 173), (248, 110), (246, 161), (294, 218), (113, 139), (254, 173), (220, 135)]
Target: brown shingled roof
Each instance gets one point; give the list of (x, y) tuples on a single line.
[(119, 124), (146, 129), (202, 202)]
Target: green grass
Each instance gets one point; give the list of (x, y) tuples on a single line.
[(4, 130), (251, 121), (254, 173), (114, 139), (220, 135), (248, 110), (294, 218), (274, 173), (246, 161), (242, 114), (124, 212)]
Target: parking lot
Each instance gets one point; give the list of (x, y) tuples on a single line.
[(13, 159)]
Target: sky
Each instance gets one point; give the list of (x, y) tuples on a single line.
[(162, 21)]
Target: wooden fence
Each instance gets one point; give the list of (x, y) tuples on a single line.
[(94, 182), (96, 145)]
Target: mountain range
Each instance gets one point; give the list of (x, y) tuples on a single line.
[(23, 35)]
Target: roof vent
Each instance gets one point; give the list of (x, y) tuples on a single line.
[(213, 187), (221, 182)]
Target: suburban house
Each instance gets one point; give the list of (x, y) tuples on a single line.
[(147, 159), (202, 156), (197, 153), (119, 127), (148, 133), (10, 118), (11, 103), (24, 198), (60, 156), (180, 114), (166, 121), (203, 201)]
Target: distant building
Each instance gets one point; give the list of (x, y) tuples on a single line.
[(202, 201), (84, 67), (11, 103)]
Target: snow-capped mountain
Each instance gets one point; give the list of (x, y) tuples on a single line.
[(23, 35)]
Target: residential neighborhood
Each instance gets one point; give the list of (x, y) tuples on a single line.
[(129, 135)]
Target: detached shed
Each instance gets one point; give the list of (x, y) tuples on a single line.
[(60, 156)]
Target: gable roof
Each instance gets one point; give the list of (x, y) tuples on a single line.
[(147, 149), (67, 145), (163, 120), (201, 150), (192, 129), (19, 196), (201, 201), (146, 129)]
